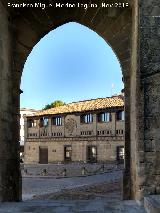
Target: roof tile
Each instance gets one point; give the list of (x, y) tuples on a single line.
[(82, 106)]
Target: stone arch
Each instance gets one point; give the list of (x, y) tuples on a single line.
[(115, 29), (119, 62), (26, 27)]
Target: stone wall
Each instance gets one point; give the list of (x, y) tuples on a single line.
[(149, 51), (72, 130), (145, 100), (10, 178), (72, 127), (106, 149)]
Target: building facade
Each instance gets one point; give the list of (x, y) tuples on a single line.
[(85, 131), (23, 112)]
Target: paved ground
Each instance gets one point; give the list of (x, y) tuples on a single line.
[(72, 169), (85, 206), (39, 186), (91, 194), (110, 190)]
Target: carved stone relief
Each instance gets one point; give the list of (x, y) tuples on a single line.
[(70, 125)]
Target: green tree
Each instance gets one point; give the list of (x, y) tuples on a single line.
[(56, 103)]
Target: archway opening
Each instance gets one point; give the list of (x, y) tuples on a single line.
[(73, 61), (72, 64)]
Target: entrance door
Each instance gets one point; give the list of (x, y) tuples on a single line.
[(67, 153), (92, 154), (43, 155)]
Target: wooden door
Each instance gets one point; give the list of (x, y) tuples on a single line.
[(43, 155)]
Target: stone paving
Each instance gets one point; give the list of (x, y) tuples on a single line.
[(89, 194), (110, 190), (89, 206), (40, 186), (72, 169)]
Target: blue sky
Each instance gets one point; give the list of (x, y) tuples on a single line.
[(70, 63)]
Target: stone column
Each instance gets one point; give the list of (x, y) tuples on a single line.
[(133, 115), (49, 127), (127, 162), (136, 107), (148, 146), (113, 123), (94, 124), (25, 128), (10, 177), (25, 138), (144, 102), (63, 125)]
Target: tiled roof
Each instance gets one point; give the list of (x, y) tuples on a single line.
[(82, 106)]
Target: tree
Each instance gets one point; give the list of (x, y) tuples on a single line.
[(56, 103)]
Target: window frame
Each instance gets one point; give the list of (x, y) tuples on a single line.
[(103, 115), (41, 122), (56, 120), (86, 118), (120, 115), (31, 123)]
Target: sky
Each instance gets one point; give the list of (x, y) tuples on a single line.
[(70, 63)]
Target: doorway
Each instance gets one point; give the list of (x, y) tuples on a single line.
[(43, 155), (120, 154), (67, 153), (91, 154)]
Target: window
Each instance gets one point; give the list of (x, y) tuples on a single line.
[(29, 123), (57, 134), (86, 132), (88, 118), (120, 154), (67, 153), (120, 115), (57, 121), (104, 117), (43, 122), (119, 131), (92, 154), (104, 132), (32, 123)]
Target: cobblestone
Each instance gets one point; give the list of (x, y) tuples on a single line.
[(111, 190), (40, 186), (87, 206), (91, 194)]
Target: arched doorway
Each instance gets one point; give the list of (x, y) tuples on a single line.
[(73, 77), (22, 29)]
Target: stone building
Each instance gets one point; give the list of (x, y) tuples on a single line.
[(87, 131)]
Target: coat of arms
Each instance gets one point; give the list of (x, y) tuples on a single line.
[(70, 125)]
